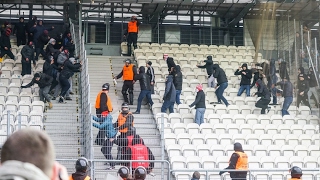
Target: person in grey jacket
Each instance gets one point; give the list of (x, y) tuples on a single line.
[(287, 93), (169, 96), (27, 53), (200, 103), (209, 68)]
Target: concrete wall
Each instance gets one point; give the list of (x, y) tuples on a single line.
[(102, 49)]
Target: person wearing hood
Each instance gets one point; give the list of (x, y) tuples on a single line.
[(51, 69), (196, 176), (177, 81), (303, 88), (44, 82), (145, 88), (35, 161), (200, 103), (272, 80), (59, 41), (246, 76), (6, 44), (170, 63), (264, 93), (82, 166), (20, 30), (169, 96), (287, 93), (238, 161), (69, 44), (257, 74), (222, 83), (51, 51), (150, 73), (38, 29), (313, 86), (27, 53), (42, 41), (209, 68), (301, 71), (283, 69)]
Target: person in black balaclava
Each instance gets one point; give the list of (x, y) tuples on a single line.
[(209, 68)]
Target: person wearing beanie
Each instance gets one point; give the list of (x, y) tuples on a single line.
[(42, 41), (303, 88), (27, 53), (150, 73), (238, 161), (20, 31), (196, 176), (200, 103), (246, 76), (264, 94), (6, 44), (44, 82), (296, 173), (209, 68)]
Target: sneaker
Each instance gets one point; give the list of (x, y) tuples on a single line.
[(54, 98), (61, 99), (136, 112), (50, 105), (268, 109), (71, 93), (68, 98), (215, 103), (273, 104), (110, 168)]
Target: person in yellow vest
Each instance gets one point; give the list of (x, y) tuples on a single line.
[(82, 166), (296, 173), (238, 161), (128, 72), (132, 34)]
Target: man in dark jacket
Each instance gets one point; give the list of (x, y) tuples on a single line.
[(150, 73), (44, 82), (303, 88), (68, 44), (27, 53), (20, 30), (200, 103), (209, 68), (169, 96), (238, 161), (246, 76), (5, 44), (264, 93), (177, 81), (82, 166), (31, 23), (51, 51), (257, 74), (51, 69), (222, 83), (145, 88), (42, 41), (59, 41), (283, 69), (272, 80), (37, 30), (170, 63), (313, 86), (287, 93)]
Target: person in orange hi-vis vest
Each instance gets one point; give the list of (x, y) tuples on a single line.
[(132, 34), (128, 72), (82, 167), (296, 173), (238, 161)]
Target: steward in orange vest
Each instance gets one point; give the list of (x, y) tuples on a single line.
[(238, 161), (103, 101), (81, 170), (128, 72), (296, 173), (132, 34)]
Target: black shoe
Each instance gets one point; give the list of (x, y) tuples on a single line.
[(273, 104), (216, 103), (136, 112), (61, 99), (268, 109), (71, 93), (68, 98), (54, 98)]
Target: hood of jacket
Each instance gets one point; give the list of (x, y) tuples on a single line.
[(245, 65), (272, 61), (169, 59), (142, 70), (209, 58), (216, 66), (17, 170), (169, 78), (79, 175), (178, 68), (301, 70)]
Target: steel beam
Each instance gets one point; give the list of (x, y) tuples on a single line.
[(241, 14), (54, 9)]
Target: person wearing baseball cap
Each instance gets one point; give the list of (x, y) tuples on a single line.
[(303, 88), (200, 103)]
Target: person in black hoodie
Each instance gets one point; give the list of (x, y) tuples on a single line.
[(177, 81), (303, 88), (150, 73), (264, 93), (283, 69), (169, 96), (257, 74), (44, 82), (209, 68), (170, 63), (200, 103), (246, 76), (287, 93), (272, 80), (222, 83), (82, 166), (145, 88), (20, 30), (27, 53), (42, 40), (51, 69), (313, 86), (5, 44)]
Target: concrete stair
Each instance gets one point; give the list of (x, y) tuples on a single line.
[(107, 67)]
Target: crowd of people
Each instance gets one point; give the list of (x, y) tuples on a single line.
[(55, 81)]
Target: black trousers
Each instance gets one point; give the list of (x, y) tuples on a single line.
[(6, 52), (65, 85), (21, 39), (238, 175), (127, 86), (26, 67), (132, 39), (106, 150), (263, 104), (304, 99)]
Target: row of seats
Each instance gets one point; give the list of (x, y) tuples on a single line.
[(25, 106), (26, 96)]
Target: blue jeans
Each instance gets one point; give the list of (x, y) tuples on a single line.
[(242, 88), (144, 93), (178, 93), (200, 115), (286, 103), (219, 93), (274, 95), (167, 104)]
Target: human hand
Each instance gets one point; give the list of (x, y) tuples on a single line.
[(5, 48), (27, 59), (272, 86), (52, 27), (152, 83), (301, 93), (244, 73), (111, 139)]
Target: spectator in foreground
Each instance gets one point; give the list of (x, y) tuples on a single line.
[(34, 161), (222, 83), (81, 166), (20, 31), (27, 53), (287, 93), (169, 96), (196, 176), (209, 68), (296, 173), (200, 103), (264, 94), (177, 81)]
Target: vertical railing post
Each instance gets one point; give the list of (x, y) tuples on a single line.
[(158, 30), (19, 120), (8, 124), (162, 146), (289, 49), (316, 54)]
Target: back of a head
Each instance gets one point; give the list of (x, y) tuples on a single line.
[(237, 147), (140, 173), (123, 172), (82, 165), (296, 172), (31, 146), (196, 175)]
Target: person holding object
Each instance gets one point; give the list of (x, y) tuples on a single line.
[(200, 103), (209, 68), (287, 93), (265, 99), (44, 82), (82, 166), (27, 53), (128, 72), (132, 34), (246, 76), (238, 161)]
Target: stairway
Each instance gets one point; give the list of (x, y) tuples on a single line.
[(104, 67)]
